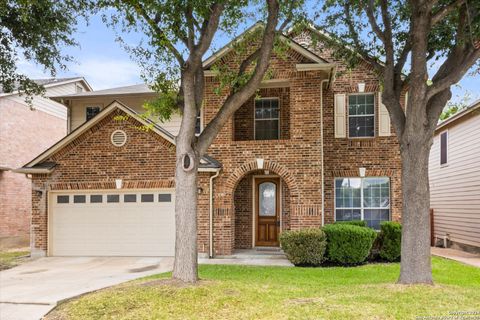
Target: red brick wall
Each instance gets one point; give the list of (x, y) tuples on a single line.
[(92, 162), (23, 135), (343, 156), (243, 126), (298, 157)]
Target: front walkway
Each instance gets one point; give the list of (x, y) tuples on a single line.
[(461, 256), (253, 257), (31, 290)]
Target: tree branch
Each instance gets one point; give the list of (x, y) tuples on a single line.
[(369, 10), (442, 13), (356, 39), (160, 33), (236, 99)]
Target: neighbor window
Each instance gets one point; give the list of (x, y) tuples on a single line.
[(91, 112), (361, 115), (267, 119), (444, 148), (363, 199), (198, 123)]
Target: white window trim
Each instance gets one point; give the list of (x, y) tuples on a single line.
[(347, 106), (362, 208), (440, 148), (266, 119)]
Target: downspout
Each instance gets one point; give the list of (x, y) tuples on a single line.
[(321, 146), (210, 246)]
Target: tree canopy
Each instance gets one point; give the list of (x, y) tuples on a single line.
[(38, 31)]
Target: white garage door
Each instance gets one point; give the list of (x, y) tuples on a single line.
[(112, 223)]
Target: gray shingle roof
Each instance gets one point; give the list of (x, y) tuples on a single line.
[(133, 89), (46, 81)]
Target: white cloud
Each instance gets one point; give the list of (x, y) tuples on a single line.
[(104, 72), (101, 72)]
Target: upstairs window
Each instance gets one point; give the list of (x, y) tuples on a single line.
[(444, 148), (267, 119), (91, 111), (361, 116)]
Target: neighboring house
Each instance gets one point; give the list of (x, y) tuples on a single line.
[(25, 131), (454, 170), (314, 146)]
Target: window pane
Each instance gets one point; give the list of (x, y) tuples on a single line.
[(374, 217), (91, 112), (164, 197), (348, 214), (79, 199), (96, 198), (112, 198), (361, 115), (147, 197), (130, 198), (267, 199), (63, 199), (443, 148), (348, 192), (198, 123)]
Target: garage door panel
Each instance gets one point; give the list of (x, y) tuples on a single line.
[(113, 229)]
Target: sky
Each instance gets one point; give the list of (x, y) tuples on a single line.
[(105, 64)]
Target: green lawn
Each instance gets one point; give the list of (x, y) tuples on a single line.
[(240, 292), (9, 259)]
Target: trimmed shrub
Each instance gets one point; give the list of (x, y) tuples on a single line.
[(348, 244), (360, 223), (391, 237), (304, 247)]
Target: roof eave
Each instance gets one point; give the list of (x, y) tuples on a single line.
[(27, 170)]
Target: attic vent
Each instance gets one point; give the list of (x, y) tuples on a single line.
[(118, 138)]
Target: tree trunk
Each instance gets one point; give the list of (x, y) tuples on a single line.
[(185, 265), (415, 264)]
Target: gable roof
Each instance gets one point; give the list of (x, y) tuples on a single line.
[(132, 89), (468, 110), (38, 166), (292, 44), (49, 83)]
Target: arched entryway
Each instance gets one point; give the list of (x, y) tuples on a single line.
[(262, 202)]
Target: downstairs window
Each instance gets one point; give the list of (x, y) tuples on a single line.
[(363, 199)]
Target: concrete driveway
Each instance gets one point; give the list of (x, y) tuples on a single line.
[(31, 290)]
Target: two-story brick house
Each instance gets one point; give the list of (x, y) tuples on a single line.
[(314, 145)]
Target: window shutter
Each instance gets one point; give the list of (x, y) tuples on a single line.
[(340, 116), (383, 118)]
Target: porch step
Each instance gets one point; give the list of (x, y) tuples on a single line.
[(256, 253)]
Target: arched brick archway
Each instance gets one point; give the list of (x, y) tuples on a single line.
[(271, 166)]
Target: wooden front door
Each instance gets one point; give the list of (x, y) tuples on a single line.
[(267, 195)]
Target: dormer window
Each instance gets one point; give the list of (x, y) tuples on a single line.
[(91, 111)]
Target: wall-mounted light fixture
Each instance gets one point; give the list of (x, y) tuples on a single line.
[(361, 87), (362, 172), (260, 163)]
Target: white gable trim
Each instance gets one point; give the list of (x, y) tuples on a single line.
[(226, 49), (87, 125)]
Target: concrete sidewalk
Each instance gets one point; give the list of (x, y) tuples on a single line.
[(460, 256), (31, 290)]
